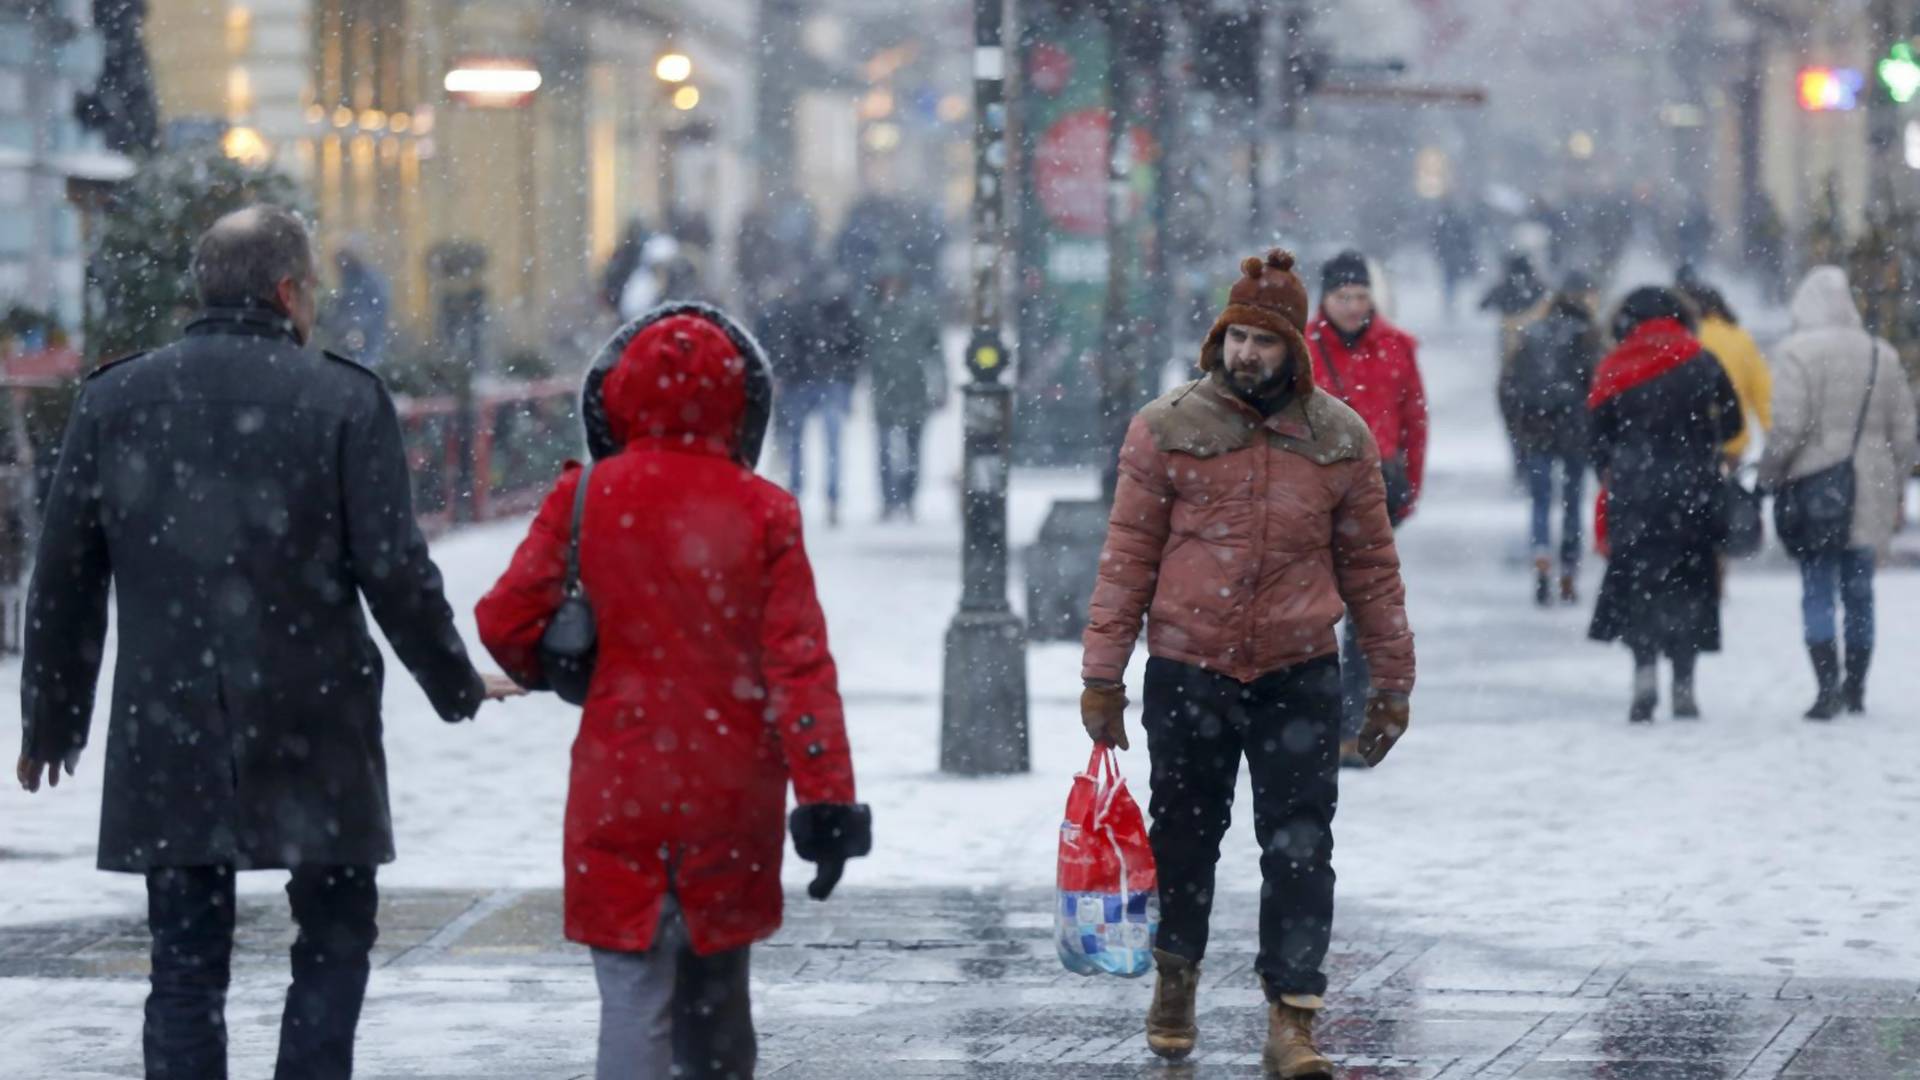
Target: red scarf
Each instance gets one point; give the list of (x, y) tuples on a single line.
[(1655, 348)]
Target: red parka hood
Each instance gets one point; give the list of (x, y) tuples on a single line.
[(684, 373)]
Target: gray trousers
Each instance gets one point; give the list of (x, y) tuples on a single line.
[(668, 1013)]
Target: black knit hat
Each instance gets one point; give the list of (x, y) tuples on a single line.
[(1652, 302), (1346, 268)]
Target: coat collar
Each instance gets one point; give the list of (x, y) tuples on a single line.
[(1290, 421), (251, 320)]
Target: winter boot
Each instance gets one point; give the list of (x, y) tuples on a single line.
[(1569, 590), (1685, 705), (1290, 1053), (1826, 672), (1646, 694), (1543, 581), (1171, 1028), (1854, 689)]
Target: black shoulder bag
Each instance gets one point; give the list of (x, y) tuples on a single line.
[(570, 644), (1814, 514)]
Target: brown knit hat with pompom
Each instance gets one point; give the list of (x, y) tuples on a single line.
[(1268, 295)]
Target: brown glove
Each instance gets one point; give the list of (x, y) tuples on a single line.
[(1387, 718), (1103, 710)]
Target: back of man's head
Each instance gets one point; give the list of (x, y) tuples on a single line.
[(247, 254)]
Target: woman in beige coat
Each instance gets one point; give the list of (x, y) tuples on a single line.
[(1830, 378)]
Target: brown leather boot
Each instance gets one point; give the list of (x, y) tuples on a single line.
[(1171, 1029), (1290, 1053)]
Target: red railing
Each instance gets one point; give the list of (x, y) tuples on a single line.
[(522, 434)]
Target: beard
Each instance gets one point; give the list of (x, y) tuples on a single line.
[(1266, 393)]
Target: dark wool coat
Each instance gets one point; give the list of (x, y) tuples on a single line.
[(713, 683), (240, 494), (1657, 446)]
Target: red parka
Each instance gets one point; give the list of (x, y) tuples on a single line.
[(1379, 378), (714, 683)]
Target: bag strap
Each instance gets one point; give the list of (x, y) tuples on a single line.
[(1873, 374), (572, 586)]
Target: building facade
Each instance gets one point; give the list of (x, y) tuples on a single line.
[(49, 54)]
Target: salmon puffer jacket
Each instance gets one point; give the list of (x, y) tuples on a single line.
[(1242, 541)]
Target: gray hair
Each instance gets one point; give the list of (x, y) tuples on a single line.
[(247, 254)]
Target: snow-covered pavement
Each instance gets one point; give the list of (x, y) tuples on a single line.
[(1521, 813)]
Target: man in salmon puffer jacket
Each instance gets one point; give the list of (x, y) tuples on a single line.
[(1251, 513), (712, 687)]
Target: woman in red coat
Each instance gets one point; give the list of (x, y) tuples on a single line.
[(713, 686)]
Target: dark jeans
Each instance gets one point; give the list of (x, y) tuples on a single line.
[(799, 402), (1287, 725), (900, 463), (190, 913), (1573, 476), (1826, 581)]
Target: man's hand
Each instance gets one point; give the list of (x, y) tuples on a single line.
[(500, 688), (1388, 715), (29, 771), (1103, 711)]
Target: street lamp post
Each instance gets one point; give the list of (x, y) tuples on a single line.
[(983, 728)]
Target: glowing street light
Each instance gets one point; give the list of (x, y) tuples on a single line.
[(673, 68), (494, 83), (1824, 89), (687, 98)]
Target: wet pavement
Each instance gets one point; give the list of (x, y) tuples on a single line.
[(957, 983)]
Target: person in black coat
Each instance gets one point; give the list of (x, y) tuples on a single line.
[(239, 493), (1545, 394), (1661, 407)]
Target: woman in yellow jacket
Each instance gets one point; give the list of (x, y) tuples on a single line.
[(1746, 368)]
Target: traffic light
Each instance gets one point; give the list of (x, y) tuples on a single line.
[(1825, 89), (1900, 73)]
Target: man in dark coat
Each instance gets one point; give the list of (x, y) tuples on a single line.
[(240, 493), (1545, 392), (1662, 407)]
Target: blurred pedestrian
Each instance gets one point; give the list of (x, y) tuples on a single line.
[(1722, 335), (1250, 512), (1373, 367), (712, 685), (358, 317), (1546, 394), (1662, 407), (621, 264), (664, 275), (1456, 246), (908, 370), (816, 335), (1519, 298), (1840, 396), (244, 732)]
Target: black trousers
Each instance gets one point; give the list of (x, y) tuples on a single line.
[(1287, 725), (190, 912)]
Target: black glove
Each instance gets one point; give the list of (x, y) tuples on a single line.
[(827, 835)]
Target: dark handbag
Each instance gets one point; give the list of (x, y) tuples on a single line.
[(1744, 534), (1814, 514), (571, 643), (1399, 489)]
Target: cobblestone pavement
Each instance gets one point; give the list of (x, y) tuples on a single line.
[(933, 984)]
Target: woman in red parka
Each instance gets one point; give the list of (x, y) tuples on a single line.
[(713, 686)]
